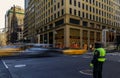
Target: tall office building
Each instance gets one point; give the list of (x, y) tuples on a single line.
[(68, 22), (29, 19), (14, 23)]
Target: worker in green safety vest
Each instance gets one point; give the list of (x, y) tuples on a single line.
[(98, 60)]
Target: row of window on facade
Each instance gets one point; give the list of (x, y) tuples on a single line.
[(49, 4), (73, 21), (98, 12), (93, 2), (91, 9), (98, 4), (50, 18), (84, 15)]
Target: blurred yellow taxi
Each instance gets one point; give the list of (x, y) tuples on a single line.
[(9, 50), (74, 51)]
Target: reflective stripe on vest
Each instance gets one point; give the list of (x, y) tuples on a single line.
[(102, 54)]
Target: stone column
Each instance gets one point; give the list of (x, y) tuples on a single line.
[(81, 37), (66, 36), (88, 39)]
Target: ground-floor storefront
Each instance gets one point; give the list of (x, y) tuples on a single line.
[(71, 36)]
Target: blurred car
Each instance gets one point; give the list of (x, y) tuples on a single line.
[(40, 50), (74, 51), (10, 50)]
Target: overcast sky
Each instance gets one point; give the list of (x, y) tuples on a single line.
[(5, 5)]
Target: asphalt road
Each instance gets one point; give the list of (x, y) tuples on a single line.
[(4, 72), (61, 66)]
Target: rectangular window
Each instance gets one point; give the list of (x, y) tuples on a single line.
[(87, 7), (93, 17), (52, 10), (70, 10), (96, 3), (83, 6), (92, 25), (58, 5), (54, 7), (78, 13), (74, 21), (62, 3), (90, 9), (74, 2), (62, 12), (90, 17), (51, 17), (51, 26), (83, 14), (60, 22), (79, 4), (97, 18), (51, 2), (54, 15), (103, 27), (87, 15), (90, 1), (85, 23), (96, 11), (70, 2), (58, 13), (75, 12), (93, 10)]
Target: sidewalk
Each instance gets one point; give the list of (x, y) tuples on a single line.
[(4, 73)]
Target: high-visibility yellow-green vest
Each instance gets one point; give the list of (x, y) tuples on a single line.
[(102, 55)]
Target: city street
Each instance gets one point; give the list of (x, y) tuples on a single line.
[(61, 66), (58, 38)]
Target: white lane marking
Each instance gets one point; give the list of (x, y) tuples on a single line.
[(85, 72), (5, 64), (19, 65)]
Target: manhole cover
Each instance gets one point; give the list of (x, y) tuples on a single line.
[(86, 72)]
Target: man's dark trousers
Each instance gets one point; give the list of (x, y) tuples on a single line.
[(97, 70)]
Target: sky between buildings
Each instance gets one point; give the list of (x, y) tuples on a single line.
[(5, 5)]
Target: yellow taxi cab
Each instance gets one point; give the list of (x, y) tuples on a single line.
[(9, 50), (74, 51)]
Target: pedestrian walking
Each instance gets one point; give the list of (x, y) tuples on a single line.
[(98, 60)]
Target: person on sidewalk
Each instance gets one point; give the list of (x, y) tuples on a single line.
[(98, 60)]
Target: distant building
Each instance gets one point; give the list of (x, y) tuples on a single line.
[(14, 22), (3, 39), (69, 22)]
